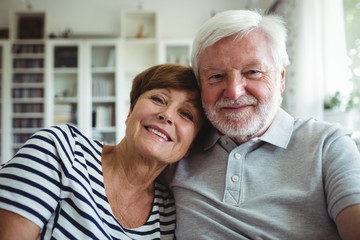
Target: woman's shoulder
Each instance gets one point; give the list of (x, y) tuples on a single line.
[(66, 132), (66, 139)]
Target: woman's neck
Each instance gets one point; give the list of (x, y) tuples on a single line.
[(124, 167), (129, 184)]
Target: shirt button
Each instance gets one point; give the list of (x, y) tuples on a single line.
[(224, 142), (235, 178), (237, 156)]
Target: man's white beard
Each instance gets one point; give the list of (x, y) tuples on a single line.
[(246, 125)]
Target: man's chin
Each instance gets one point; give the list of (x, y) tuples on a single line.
[(232, 128), (238, 127)]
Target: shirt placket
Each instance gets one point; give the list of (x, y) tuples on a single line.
[(234, 193), (234, 175)]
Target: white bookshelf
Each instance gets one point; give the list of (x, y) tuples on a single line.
[(27, 105), (104, 76), (5, 131), (63, 80), (82, 79), (175, 51), (139, 24)]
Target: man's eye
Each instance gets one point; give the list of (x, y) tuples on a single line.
[(253, 74), (216, 78), (157, 99)]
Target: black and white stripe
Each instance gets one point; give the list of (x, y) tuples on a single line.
[(56, 181)]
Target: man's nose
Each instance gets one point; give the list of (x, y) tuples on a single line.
[(235, 86)]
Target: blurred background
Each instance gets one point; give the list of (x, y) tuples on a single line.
[(74, 60)]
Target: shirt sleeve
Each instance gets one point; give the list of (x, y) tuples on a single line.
[(341, 166), (30, 183)]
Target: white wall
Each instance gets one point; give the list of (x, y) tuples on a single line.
[(176, 18)]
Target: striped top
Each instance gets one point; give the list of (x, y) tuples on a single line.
[(56, 181)]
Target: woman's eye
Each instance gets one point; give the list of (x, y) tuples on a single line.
[(157, 99), (187, 115)]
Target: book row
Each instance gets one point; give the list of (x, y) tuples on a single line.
[(28, 48), (28, 78), (103, 88), (28, 93), (28, 63), (103, 116), (20, 138), (28, 122), (64, 113), (28, 108)]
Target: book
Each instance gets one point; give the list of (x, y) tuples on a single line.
[(62, 114)]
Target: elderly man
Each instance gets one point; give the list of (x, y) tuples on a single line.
[(261, 173)]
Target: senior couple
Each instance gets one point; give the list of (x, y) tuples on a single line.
[(254, 172)]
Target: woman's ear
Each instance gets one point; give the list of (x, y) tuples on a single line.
[(187, 154), (127, 118)]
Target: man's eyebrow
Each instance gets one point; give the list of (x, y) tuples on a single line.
[(209, 68), (253, 62)]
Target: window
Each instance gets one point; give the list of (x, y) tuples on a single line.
[(352, 29)]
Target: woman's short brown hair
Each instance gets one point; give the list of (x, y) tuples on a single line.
[(164, 76)]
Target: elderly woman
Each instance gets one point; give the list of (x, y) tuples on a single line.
[(64, 185)]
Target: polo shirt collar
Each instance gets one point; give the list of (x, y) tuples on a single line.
[(278, 134), (280, 130)]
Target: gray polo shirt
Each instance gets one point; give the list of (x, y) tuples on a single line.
[(289, 183)]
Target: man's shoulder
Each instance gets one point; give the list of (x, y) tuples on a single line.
[(314, 125)]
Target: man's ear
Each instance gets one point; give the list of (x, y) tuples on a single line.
[(282, 80)]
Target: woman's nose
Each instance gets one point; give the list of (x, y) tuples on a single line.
[(165, 116)]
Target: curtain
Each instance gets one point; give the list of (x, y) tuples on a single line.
[(317, 50)]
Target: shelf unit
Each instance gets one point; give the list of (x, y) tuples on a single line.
[(175, 51), (139, 24), (2, 127), (27, 89), (28, 25), (83, 80), (1, 94), (63, 76), (5, 89), (139, 29), (104, 76), (23, 81), (138, 55)]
